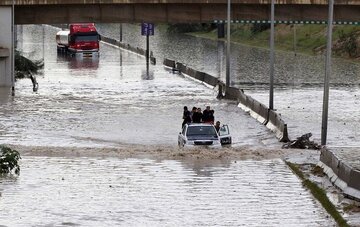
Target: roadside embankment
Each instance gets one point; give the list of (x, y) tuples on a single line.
[(303, 38), (257, 110)]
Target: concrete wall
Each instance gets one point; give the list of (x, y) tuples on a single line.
[(257, 110), (5, 42)]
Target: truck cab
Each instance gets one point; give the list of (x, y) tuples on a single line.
[(83, 38), (80, 38)]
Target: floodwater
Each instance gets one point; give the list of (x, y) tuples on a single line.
[(112, 102), (83, 191), (109, 101), (298, 89)]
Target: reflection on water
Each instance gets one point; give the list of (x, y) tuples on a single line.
[(79, 62), (146, 192)]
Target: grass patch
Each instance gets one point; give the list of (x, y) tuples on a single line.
[(319, 194), (318, 171)]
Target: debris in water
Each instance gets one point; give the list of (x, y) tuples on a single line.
[(302, 142)]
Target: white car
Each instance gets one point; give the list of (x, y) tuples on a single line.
[(200, 134)]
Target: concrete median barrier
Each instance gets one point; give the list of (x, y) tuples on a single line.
[(128, 47), (261, 111), (344, 176), (190, 72), (211, 80), (169, 63), (277, 125), (232, 93), (199, 75)]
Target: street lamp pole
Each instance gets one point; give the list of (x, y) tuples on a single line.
[(228, 45), (272, 56), (327, 74), (12, 49)]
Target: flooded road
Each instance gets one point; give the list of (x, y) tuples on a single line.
[(110, 103), (299, 79), (60, 191)]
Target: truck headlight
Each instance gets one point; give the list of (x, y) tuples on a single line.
[(216, 142)]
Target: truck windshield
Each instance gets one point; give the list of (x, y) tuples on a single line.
[(201, 130), (86, 38)]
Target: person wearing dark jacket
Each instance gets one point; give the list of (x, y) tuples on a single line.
[(217, 126), (197, 116), (193, 111), (186, 116), (208, 115)]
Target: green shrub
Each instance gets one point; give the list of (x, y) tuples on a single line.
[(9, 159)]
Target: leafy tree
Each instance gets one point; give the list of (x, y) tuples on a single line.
[(9, 159)]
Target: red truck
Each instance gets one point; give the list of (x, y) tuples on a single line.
[(79, 39)]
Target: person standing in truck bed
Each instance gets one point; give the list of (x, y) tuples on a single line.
[(208, 115), (197, 116), (186, 116)]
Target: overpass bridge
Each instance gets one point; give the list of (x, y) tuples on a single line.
[(173, 11), (167, 11)]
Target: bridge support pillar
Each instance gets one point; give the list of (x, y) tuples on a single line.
[(5, 46)]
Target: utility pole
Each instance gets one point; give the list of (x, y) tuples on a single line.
[(121, 33), (13, 49), (228, 44), (272, 56), (327, 74)]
